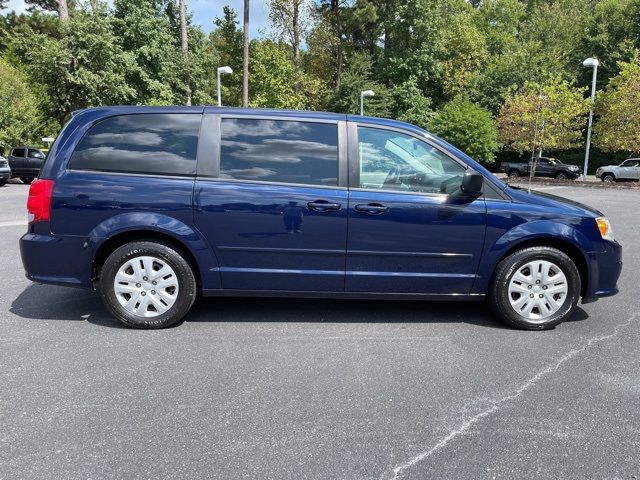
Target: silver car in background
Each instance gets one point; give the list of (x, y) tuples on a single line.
[(5, 171), (627, 170)]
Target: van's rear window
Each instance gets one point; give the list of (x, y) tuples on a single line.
[(141, 143)]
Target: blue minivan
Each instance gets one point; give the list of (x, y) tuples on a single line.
[(152, 206)]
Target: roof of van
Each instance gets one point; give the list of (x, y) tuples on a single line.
[(130, 109)]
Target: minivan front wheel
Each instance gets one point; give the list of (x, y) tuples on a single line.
[(535, 288), (147, 284)]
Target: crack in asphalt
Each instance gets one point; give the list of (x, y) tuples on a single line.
[(395, 473)]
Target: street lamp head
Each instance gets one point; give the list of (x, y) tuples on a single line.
[(368, 93), (590, 62), (225, 70)]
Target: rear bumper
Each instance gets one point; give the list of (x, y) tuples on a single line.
[(605, 269), (57, 260)]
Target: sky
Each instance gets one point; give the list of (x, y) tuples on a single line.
[(205, 11)]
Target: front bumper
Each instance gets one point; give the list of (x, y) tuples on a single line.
[(605, 270), (5, 173)]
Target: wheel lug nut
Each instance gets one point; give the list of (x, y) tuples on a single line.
[(541, 295), (530, 287), (138, 285), (155, 283), (142, 293), (153, 292), (544, 287), (145, 278), (531, 295), (537, 281)]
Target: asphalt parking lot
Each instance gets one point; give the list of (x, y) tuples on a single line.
[(318, 389)]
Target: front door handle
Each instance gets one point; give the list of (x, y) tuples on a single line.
[(323, 206), (372, 208)]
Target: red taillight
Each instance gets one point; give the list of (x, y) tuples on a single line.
[(39, 201)]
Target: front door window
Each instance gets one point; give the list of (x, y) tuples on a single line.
[(390, 160)]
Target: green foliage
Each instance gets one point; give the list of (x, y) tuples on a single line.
[(356, 78), (618, 126), (409, 104), (84, 67), (20, 118), (272, 76), (454, 57), (469, 127), (549, 116), (226, 44)]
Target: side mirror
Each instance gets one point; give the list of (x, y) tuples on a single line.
[(472, 183)]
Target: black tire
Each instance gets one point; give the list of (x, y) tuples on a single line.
[(499, 295), (3, 182), (608, 177), (562, 176), (513, 174), (26, 180), (187, 287)]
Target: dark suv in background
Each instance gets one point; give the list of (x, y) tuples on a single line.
[(545, 167), (154, 205), (25, 162)]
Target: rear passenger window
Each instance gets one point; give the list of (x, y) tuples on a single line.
[(142, 143), (19, 152), (279, 151)]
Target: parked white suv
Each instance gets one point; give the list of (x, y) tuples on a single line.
[(627, 170)]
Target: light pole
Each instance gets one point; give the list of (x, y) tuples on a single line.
[(365, 93), (590, 62), (222, 70)]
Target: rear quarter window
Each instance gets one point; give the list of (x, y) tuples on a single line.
[(163, 144)]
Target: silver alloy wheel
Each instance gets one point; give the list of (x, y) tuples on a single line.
[(146, 286), (537, 290)]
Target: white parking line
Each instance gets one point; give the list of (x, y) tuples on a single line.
[(15, 223)]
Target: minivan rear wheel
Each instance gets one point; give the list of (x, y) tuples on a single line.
[(535, 288), (146, 284)]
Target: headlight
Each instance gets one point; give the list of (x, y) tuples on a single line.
[(605, 228), (573, 167)]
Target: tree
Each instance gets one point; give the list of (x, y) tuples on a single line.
[(86, 67), (20, 118), (245, 55), (550, 116), (466, 54), (618, 125), (272, 76), (330, 13), (469, 127), (291, 17), (184, 45), (60, 6), (408, 103), (226, 42), (356, 78)]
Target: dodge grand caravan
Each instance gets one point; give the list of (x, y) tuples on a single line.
[(152, 206)]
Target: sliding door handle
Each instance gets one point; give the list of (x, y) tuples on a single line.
[(323, 206), (372, 208)]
